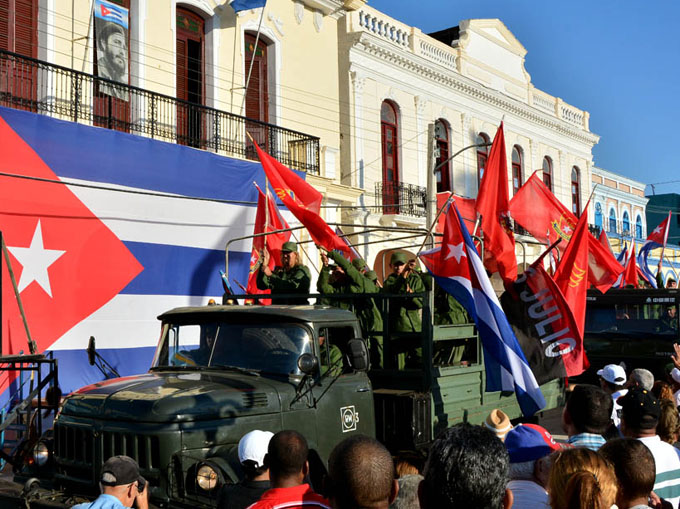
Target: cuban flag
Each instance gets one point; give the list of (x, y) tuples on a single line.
[(656, 239), (458, 269), (108, 11), (105, 231)]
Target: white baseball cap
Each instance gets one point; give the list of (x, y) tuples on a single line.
[(253, 446), (613, 373)]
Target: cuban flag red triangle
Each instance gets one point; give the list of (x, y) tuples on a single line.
[(66, 261)]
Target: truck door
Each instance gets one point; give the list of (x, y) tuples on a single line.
[(344, 397)]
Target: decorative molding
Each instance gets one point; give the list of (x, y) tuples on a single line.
[(318, 20), (277, 22), (420, 103), (358, 81), (299, 11), (407, 62)]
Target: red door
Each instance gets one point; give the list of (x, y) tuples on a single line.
[(190, 50), (19, 34), (390, 160), (257, 93)]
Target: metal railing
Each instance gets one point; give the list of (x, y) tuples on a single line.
[(400, 198), (49, 89)]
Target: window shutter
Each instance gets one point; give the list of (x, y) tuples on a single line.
[(4, 25), (181, 69), (25, 31)]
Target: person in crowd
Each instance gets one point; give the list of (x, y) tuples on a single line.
[(662, 390), (121, 486), (642, 378), (346, 278), (672, 283), (529, 447), (498, 422), (675, 374), (612, 380), (407, 498), (640, 412), (252, 448), (288, 466), (408, 463), (634, 468), (586, 416), (361, 474), (669, 320), (290, 277), (467, 466), (371, 275), (581, 479), (669, 422)]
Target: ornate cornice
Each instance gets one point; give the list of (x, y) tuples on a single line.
[(369, 45)]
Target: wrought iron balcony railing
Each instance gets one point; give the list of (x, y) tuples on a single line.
[(48, 89), (400, 198)]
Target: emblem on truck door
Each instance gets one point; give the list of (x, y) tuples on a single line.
[(349, 418)]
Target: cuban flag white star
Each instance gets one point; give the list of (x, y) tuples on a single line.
[(35, 261), (456, 251), (657, 229)]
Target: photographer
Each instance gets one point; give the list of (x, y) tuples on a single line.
[(121, 486)]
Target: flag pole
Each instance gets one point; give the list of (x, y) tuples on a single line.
[(252, 60)]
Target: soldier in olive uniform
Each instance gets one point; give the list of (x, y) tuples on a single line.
[(447, 310), (404, 312), (347, 278), (290, 277)]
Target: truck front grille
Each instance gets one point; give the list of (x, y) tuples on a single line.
[(79, 448)]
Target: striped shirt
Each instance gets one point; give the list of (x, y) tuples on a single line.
[(667, 459)]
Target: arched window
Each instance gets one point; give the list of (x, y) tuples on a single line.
[(612, 220), (443, 173), (190, 77), (625, 227), (516, 168), (638, 228), (389, 131), (482, 155), (547, 172), (598, 215), (575, 191)]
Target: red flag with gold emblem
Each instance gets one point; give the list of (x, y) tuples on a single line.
[(492, 204), (302, 200), (273, 241), (571, 275)]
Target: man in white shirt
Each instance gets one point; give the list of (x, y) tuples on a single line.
[(640, 413), (613, 380)]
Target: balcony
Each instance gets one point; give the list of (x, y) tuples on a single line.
[(400, 198), (48, 89)]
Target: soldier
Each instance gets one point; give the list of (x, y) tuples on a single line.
[(290, 277), (347, 278), (447, 310), (404, 312)]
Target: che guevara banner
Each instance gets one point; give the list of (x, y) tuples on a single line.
[(544, 325), (302, 200)]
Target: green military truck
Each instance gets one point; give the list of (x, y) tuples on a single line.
[(636, 327), (221, 371)]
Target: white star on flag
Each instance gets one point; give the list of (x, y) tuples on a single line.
[(657, 229), (35, 261), (456, 251)]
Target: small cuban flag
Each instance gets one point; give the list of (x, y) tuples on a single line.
[(243, 5), (109, 11)]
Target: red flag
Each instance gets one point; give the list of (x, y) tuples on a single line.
[(273, 241), (571, 274), (630, 273), (302, 200), (604, 240), (539, 212), (492, 204), (466, 207)]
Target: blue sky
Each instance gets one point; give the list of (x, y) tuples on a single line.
[(619, 60)]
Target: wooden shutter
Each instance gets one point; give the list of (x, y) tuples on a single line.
[(4, 25), (257, 95), (19, 26), (181, 68)]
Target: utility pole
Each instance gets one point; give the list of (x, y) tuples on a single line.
[(431, 200)]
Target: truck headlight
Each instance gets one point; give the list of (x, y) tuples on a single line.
[(41, 453), (206, 478)]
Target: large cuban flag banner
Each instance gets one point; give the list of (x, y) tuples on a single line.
[(105, 231)]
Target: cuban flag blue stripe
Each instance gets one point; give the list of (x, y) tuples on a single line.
[(642, 261)]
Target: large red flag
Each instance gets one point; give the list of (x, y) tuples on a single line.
[(302, 200), (604, 240), (466, 207), (539, 212), (630, 273), (273, 241), (571, 274), (492, 204)]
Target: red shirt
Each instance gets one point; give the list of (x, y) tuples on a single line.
[(300, 496)]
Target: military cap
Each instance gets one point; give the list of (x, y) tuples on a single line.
[(397, 258), (289, 247), (359, 263)]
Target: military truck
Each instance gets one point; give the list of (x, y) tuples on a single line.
[(221, 371), (636, 327)]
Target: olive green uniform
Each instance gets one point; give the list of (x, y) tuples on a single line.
[(405, 312), (295, 280), (333, 362)]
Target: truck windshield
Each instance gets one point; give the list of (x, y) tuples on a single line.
[(637, 318), (271, 348)]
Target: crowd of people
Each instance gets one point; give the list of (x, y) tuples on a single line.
[(621, 451)]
